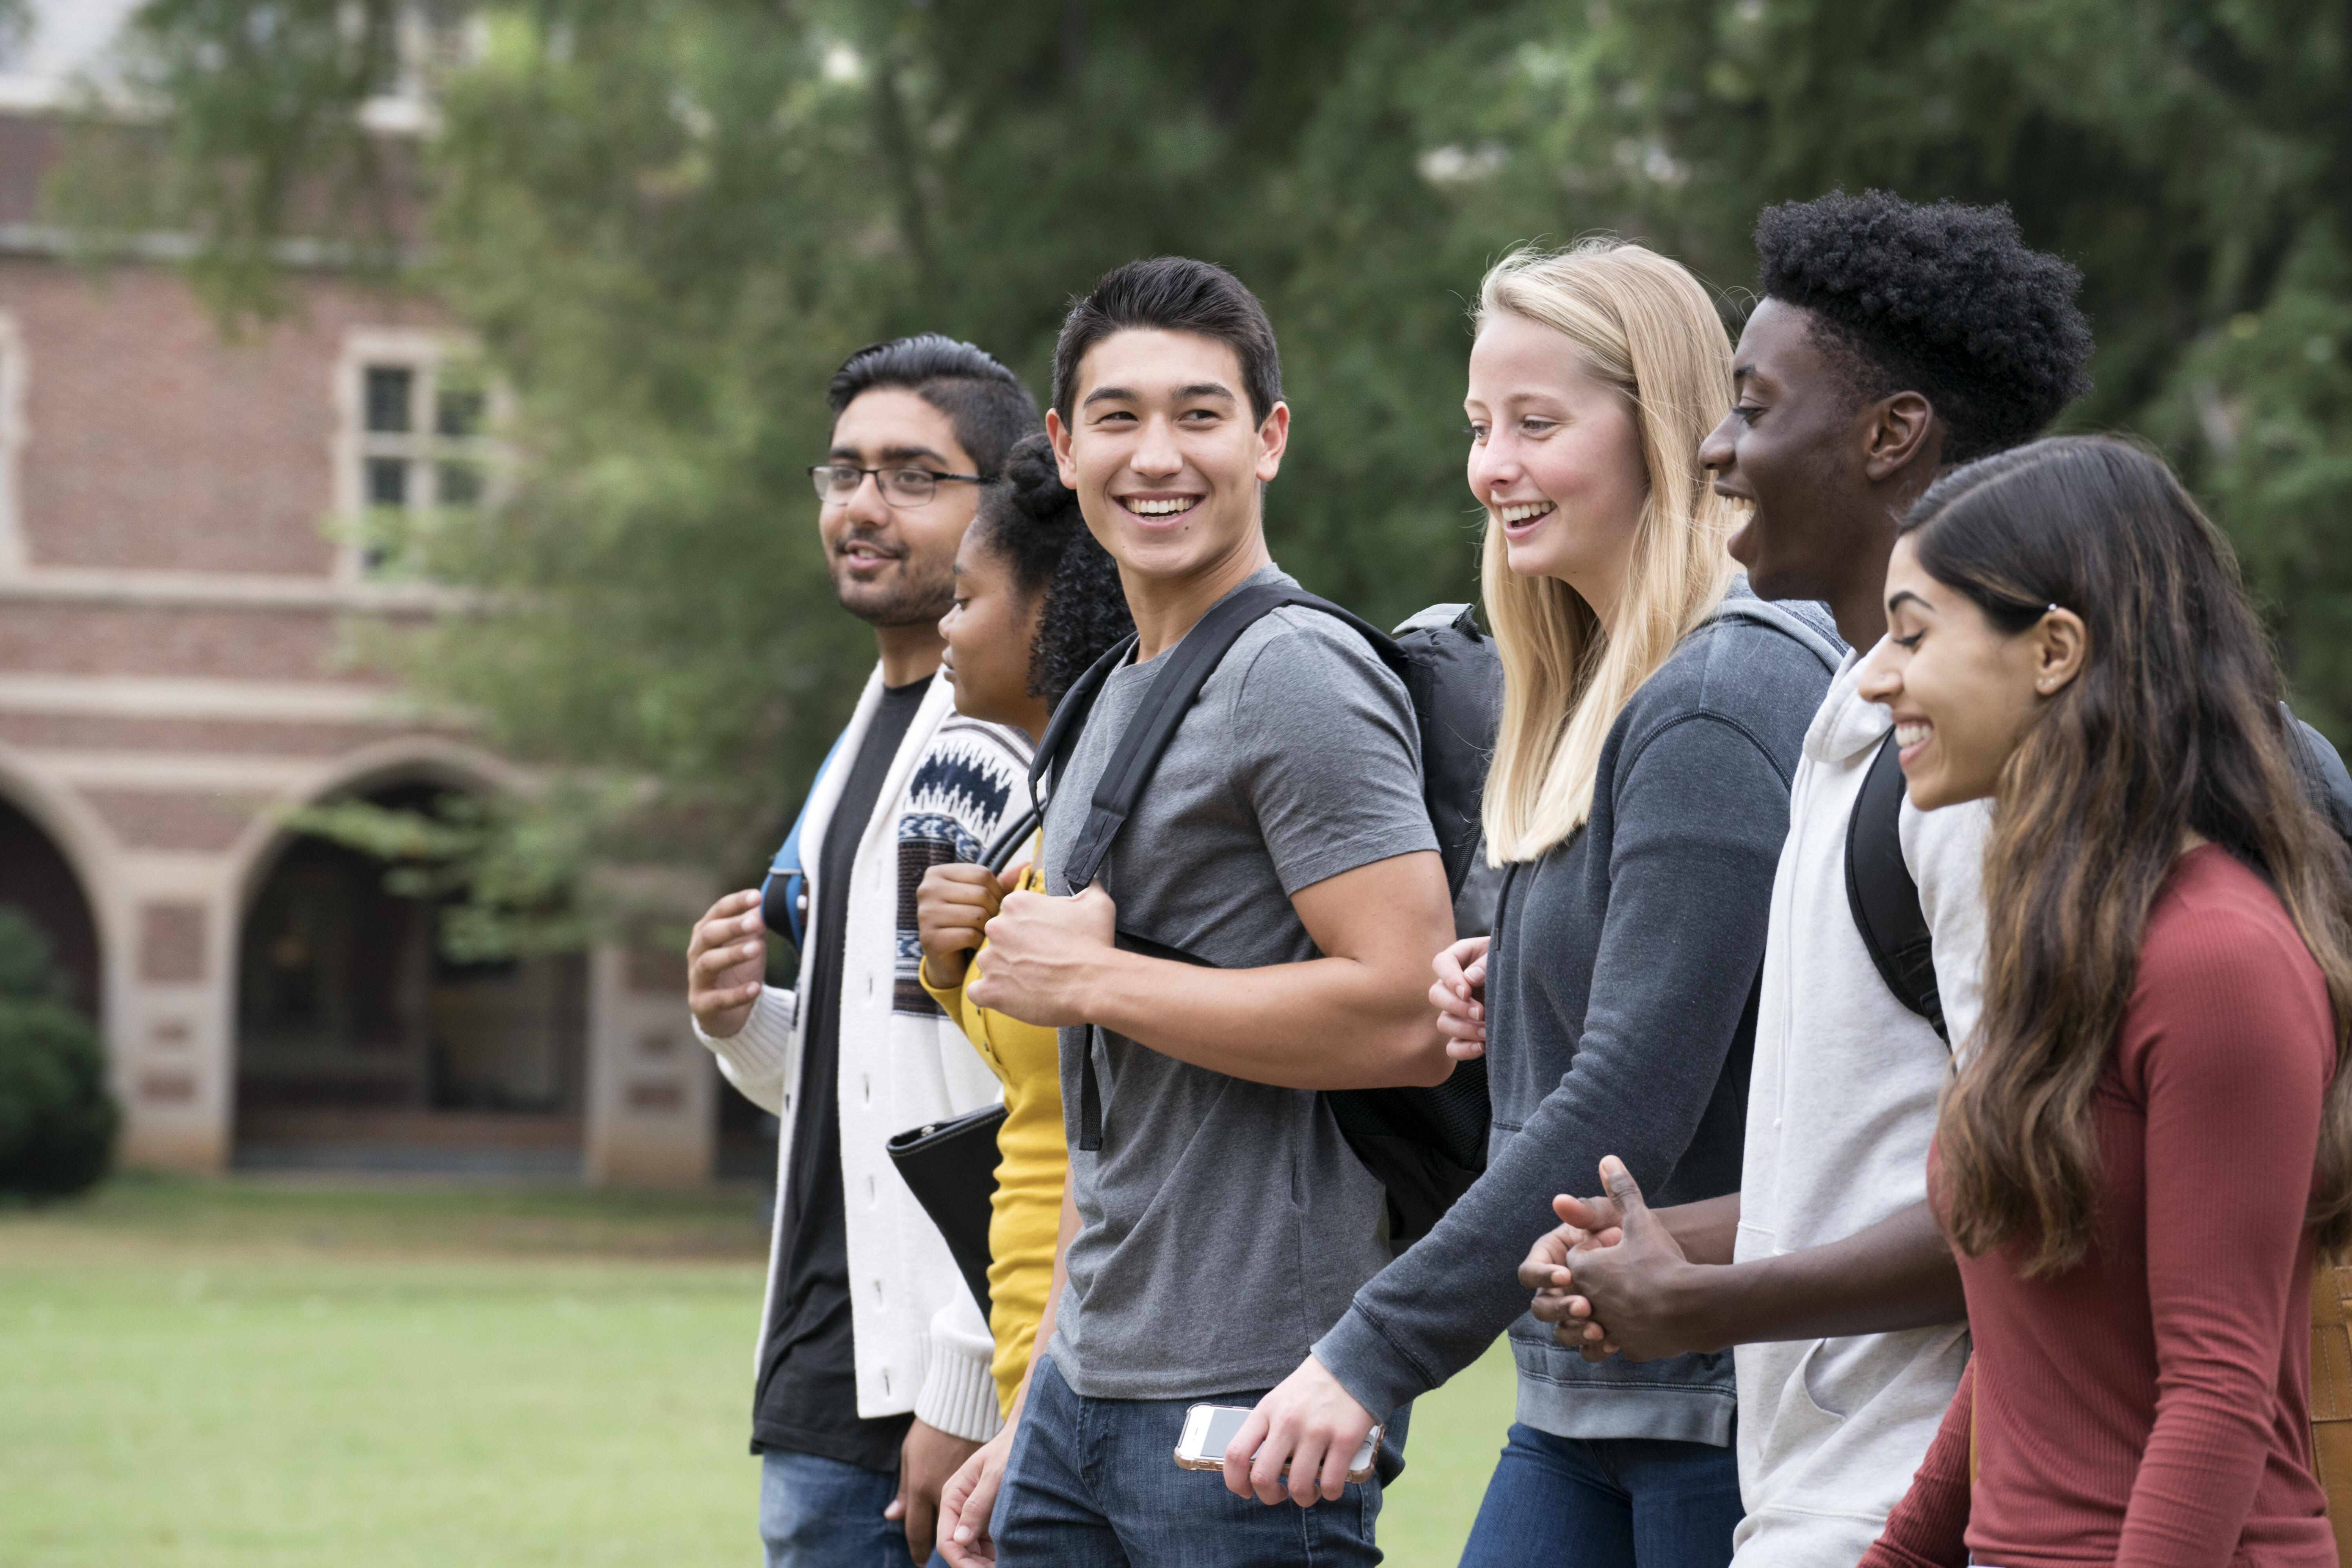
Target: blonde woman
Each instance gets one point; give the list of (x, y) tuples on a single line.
[(1654, 711)]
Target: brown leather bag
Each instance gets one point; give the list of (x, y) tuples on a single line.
[(2331, 1397)]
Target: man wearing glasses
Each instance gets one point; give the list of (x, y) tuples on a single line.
[(873, 1372)]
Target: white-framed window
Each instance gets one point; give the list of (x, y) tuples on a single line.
[(421, 43), (414, 442)]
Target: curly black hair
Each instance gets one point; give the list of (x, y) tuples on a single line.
[(1030, 520), (1944, 299)]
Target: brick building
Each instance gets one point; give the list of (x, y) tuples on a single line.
[(181, 587)]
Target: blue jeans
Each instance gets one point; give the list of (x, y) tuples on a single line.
[(1093, 1483), (816, 1512), (1613, 1502)]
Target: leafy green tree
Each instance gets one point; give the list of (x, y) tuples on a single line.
[(666, 223), (58, 1119), (2192, 156)]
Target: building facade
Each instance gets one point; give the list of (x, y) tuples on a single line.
[(187, 584)]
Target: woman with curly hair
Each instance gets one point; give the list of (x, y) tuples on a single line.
[(1036, 601), (2150, 1133)]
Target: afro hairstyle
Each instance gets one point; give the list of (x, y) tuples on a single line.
[(1030, 520), (1945, 301)]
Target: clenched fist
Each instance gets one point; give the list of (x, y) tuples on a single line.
[(1046, 957), (953, 904)]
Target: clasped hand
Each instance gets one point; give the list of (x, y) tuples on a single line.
[(1046, 957), (1610, 1278), (1459, 995)]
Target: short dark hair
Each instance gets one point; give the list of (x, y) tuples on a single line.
[(985, 403), (1945, 301), (1031, 521), (1172, 294)]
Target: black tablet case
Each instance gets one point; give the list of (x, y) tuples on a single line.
[(951, 1167)]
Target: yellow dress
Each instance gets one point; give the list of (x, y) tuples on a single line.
[(1032, 1162)]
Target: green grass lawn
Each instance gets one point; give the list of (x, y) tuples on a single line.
[(268, 1375), (1456, 1437)]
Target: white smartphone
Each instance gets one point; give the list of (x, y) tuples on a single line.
[(1209, 1430)]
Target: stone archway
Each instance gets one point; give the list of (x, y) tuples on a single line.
[(361, 1045), (36, 877)]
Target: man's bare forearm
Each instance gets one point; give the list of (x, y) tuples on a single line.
[(1329, 1023), (1355, 1017), (1897, 1274)]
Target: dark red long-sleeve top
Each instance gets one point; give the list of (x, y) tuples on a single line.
[(2152, 1405)]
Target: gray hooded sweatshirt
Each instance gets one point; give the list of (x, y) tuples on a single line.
[(1619, 992)]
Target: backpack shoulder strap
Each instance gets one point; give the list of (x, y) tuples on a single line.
[(1383, 644), (1070, 717), (1007, 843), (1183, 670), (1884, 897), (781, 893)]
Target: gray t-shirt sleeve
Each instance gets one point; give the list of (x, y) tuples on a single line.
[(1327, 751)]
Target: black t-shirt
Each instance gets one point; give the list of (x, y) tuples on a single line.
[(807, 1397)]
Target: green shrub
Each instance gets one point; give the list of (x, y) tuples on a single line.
[(57, 1119)]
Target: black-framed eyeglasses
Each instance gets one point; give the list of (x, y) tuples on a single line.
[(836, 482)]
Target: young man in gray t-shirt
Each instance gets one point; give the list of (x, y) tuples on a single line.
[(1223, 1224)]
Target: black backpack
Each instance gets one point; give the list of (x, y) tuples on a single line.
[(1886, 899), (1426, 1145)]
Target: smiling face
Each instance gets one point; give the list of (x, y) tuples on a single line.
[(893, 567), (1827, 471), (1963, 692), (1555, 458), (989, 631), (1163, 454), (1788, 449)]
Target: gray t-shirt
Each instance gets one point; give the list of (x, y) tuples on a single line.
[(1225, 1224)]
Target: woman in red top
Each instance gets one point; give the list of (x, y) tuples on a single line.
[(2150, 1132)]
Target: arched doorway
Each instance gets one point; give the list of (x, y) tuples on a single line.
[(361, 1046), (36, 877)]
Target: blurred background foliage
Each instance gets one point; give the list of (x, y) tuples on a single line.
[(665, 221), (58, 1119)]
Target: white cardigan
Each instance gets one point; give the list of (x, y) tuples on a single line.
[(921, 1342)]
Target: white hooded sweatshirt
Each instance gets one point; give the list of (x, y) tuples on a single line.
[(1840, 1108)]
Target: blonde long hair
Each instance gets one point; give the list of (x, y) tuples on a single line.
[(1642, 324)]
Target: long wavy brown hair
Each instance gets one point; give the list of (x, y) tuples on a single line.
[(2173, 723)]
